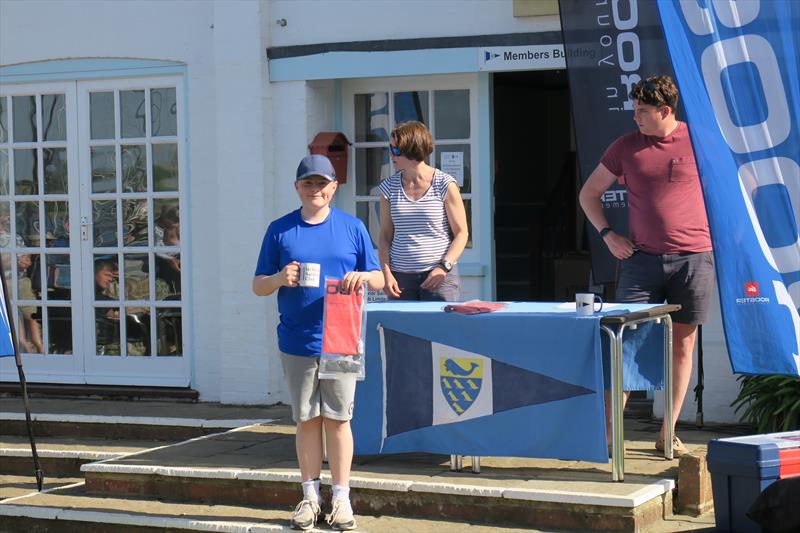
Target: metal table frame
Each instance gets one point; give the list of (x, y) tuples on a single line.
[(615, 327)]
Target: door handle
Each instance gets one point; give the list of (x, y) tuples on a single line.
[(84, 228)]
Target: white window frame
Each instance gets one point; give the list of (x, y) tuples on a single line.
[(346, 199)]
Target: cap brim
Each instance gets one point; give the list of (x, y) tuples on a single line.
[(312, 174)]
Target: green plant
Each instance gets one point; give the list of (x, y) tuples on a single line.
[(770, 402)]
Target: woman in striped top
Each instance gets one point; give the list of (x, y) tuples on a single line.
[(423, 222)]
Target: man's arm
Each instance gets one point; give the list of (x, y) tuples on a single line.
[(591, 193)]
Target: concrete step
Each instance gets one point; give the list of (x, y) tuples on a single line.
[(255, 466), (142, 420), (68, 508), (63, 456)]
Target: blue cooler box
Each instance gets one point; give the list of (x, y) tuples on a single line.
[(742, 467)]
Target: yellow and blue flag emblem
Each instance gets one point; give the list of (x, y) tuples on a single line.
[(460, 379)]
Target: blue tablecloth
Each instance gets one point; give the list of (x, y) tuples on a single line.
[(524, 381)]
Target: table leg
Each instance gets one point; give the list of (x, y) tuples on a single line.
[(455, 462), (476, 464), (617, 430), (667, 387)]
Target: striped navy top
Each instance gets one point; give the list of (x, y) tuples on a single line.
[(421, 229)]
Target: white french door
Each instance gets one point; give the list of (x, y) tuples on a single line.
[(91, 188)]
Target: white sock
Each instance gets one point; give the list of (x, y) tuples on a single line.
[(341, 491), (311, 490)]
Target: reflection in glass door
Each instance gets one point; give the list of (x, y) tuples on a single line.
[(132, 226), (38, 176), (90, 214)]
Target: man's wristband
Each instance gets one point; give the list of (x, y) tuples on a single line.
[(605, 231)]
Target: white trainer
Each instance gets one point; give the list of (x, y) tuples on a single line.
[(341, 517), (305, 515)]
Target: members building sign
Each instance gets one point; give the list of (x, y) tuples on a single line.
[(535, 57)]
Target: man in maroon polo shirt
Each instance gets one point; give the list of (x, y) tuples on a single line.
[(668, 255)]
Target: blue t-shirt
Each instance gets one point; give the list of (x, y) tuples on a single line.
[(340, 245)]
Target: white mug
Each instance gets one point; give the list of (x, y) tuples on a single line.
[(584, 303), (309, 275)]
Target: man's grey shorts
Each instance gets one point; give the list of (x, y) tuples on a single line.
[(312, 397), (685, 278)]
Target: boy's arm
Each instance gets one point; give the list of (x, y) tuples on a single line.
[(288, 277)]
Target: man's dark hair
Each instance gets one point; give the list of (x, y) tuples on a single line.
[(656, 90)]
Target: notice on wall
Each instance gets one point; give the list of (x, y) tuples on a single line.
[(453, 164)]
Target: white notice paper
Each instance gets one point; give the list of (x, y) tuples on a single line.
[(453, 164)]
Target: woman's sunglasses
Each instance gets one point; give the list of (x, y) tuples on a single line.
[(395, 150)]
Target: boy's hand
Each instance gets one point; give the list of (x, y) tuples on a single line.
[(291, 274), (354, 280)]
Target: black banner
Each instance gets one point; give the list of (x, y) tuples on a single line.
[(609, 45)]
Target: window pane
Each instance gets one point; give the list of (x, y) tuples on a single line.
[(24, 109), (56, 221), (59, 281), (134, 168), (106, 277), (167, 228), (29, 333), (54, 117), (59, 320), (28, 222), (3, 171), (106, 330), (55, 170), (372, 165), (168, 276), (104, 222), (412, 105), (137, 285), (26, 175), (137, 326), (451, 114), (169, 336), (456, 153), (6, 239), (101, 110), (164, 112), (29, 281), (3, 120), (134, 222), (372, 117), (104, 169), (165, 167), (132, 115), (370, 215)]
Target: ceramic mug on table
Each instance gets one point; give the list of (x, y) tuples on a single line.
[(584, 303)]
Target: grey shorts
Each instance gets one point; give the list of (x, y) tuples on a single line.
[(409, 282), (312, 397), (685, 278)]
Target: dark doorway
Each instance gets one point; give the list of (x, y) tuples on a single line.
[(540, 250)]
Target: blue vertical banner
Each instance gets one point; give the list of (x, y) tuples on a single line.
[(737, 69)]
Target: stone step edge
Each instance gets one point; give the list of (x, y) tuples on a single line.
[(643, 495), (44, 453), (137, 520), (101, 456), (137, 420)]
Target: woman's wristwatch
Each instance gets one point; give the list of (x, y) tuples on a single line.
[(446, 265)]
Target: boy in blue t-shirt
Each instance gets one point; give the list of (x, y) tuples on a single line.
[(339, 243)]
